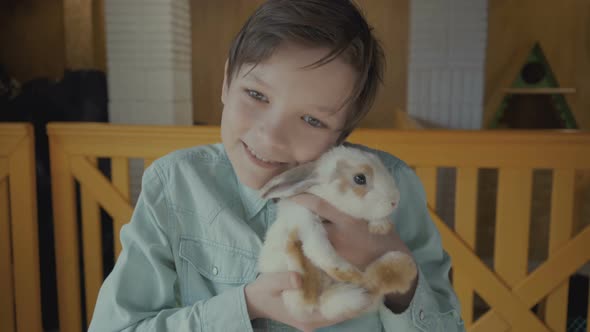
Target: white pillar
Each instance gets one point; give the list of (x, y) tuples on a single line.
[(149, 61), (447, 62)]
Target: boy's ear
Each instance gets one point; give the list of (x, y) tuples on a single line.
[(291, 182), (224, 87)]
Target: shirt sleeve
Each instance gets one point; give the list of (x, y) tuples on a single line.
[(434, 306), (140, 292)]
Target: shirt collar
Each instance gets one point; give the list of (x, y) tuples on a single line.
[(251, 200)]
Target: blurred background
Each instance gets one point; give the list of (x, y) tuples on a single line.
[(453, 63)]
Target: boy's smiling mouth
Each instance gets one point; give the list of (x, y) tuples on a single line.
[(260, 161)]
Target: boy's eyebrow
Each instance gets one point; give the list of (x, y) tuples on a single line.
[(257, 79), (323, 109)]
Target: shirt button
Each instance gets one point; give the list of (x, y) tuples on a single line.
[(215, 270), (421, 314)]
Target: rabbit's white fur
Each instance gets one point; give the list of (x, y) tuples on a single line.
[(297, 241)]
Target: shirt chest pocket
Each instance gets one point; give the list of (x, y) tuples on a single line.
[(209, 268)]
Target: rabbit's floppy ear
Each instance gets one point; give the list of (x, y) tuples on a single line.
[(291, 182)]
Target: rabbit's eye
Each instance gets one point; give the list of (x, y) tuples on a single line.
[(360, 179)]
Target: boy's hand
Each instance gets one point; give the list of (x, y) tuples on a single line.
[(263, 299), (353, 241), (350, 236)]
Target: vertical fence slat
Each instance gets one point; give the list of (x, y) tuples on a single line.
[(428, 177), (561, 228), (465, 227), (92, 245), (25, 235), (120, 172), (513, 224), (66, 240), (7, 322)]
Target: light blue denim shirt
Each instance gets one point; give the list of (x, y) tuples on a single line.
[(193, 242)]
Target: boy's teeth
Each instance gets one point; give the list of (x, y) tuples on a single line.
[(257, 156)]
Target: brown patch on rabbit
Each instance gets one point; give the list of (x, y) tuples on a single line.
[(392, 272), (367, 170), (311, 276), (352, 275), (339, 174)]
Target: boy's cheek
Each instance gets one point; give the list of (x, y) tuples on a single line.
[(242, 107)]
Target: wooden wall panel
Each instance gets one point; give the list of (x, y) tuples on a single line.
[(32, 38), (41, 38), (390, 18), (85, 35), (99, 35), (214, 24), (582, 63)]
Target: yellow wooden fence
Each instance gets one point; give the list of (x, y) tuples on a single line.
[(20, 290), (508, 289)]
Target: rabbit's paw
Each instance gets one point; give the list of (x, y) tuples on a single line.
[(392, 272), (344, 300), (297, 305), (348, 274), (380, 226)]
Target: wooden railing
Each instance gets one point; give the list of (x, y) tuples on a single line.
[(509, 289), (20, 290)]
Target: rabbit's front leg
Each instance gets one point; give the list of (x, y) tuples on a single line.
[(344, 299), (380, 226), (320, 251), (272, 257), (302, 302)]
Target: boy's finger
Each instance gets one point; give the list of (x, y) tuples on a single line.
[(322, 208), (294, 280), (309, 201), (281, 281)]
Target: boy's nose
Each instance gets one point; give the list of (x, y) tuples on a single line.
[(273, 130)]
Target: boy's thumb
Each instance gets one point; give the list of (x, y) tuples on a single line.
[(295, 280), (287, 280)]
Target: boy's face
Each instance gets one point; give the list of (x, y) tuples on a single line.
[(281, 114)]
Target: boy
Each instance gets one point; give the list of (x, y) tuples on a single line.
[(299, 77)]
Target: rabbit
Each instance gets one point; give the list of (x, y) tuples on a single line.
[(357, 183)]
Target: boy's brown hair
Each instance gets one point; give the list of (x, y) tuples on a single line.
[(334, 24)]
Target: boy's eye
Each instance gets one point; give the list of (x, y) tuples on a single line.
[(313, 121), (257, 95)]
